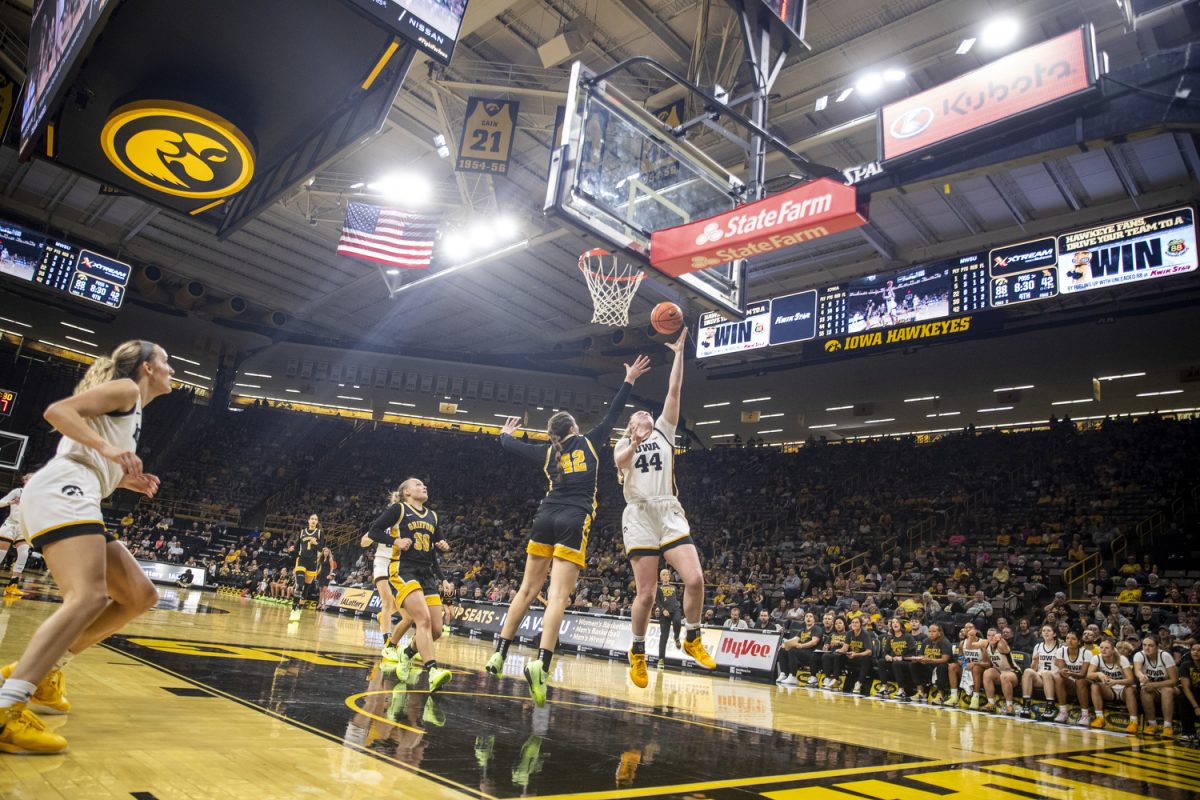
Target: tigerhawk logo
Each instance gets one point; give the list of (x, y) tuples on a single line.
[(178, 149)]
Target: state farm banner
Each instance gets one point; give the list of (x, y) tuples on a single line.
[(1136, 249), (809, 211), (997, 92), (717, 335), (747, 652)]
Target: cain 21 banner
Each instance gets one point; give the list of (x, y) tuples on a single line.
[(1137, 249)]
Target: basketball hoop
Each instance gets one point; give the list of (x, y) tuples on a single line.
[(612, 286)]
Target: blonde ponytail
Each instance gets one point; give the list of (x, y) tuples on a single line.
[(123, 363)]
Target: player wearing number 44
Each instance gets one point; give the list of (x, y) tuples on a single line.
[(653, 523)]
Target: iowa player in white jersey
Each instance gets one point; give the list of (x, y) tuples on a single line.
[(11, 536), (653, 523), (102, 585)]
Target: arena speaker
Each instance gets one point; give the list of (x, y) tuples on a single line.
[(147, 278), (278, 318), (234, 305), (190, 294), (617, 337), (587, 343)]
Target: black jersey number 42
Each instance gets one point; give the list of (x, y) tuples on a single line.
[(654, 462)]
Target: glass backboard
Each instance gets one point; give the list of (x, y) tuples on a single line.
[(620, 174)]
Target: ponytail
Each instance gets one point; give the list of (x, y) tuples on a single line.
[(123, 363), (557, 429)]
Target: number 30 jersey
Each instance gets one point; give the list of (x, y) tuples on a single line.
[(402, 521), (651, 475)]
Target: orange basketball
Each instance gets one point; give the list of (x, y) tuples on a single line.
[(667, 318)]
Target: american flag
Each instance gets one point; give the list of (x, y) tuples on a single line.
[(388, 236)]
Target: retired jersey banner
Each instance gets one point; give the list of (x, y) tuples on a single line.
[(487, 136), (717, 336), (1137, 249), (1031, 78), (809, 211)]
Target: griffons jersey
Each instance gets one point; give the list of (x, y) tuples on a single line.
[(572, 481), (309, 545), (402, 521), (651, 474)]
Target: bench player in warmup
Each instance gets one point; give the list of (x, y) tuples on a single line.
[(653, 523), (11, 536), (308, 555), (558, 544), (102, 585)]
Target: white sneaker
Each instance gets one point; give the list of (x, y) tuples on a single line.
[(790, 680), (812, 681), (1062, 716)]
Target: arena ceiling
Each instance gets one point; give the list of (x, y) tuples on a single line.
[(533, 300)]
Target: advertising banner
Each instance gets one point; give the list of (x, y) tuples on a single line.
[(747, 652), (160, 572), (355, 600), (997, 92), (794, 317), (1136, 249), (717, 336), (809, 211)]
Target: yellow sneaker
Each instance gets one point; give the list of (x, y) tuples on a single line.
[(1150, 730), (637, 670), (22, 732), (1098, 722), (695, 649), (50, 696), (1132, 726), (12, 590)]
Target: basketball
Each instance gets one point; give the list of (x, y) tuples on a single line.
[(666, 318)]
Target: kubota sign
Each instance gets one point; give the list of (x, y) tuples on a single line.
[(996, 92), (809, 211)]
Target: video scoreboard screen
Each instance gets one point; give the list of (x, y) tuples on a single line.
[(61, 266), (8, 399), (431, 25), (1140, 248)]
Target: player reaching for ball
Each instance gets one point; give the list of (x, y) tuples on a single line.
[(558, 544), (653, 522)]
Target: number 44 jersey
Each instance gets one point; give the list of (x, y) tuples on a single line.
[(652, 473)]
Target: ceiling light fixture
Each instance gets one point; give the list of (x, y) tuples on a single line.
[(877, 421), (175, 357), (413, 189), (839, 408), (772, 430), (922, 399), (248, 385), (77, 327), (827, 425), (822, 103), (292, 391), (756, 399), (1140, 394), (709, 422), (721, 436), (1013, 388), (716, 405), (991, 410), (255, 375), (1119, 377), (849, 90), (1071, 402), (339, 397), (965, 46), (999, 32), (15, 322), (869, 84)]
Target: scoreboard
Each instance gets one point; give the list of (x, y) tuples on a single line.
[(1153, 246), (8, 399), (61, 266)]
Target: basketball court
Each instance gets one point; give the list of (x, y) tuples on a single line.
[(747, 183), (231, 699)]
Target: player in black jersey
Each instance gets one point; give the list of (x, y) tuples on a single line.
[(414, 574), (1189, 696), (558, 544), (670, 615), (308, 557)]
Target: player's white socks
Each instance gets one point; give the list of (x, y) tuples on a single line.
[(14, 691), (66, 659), (22, 559)]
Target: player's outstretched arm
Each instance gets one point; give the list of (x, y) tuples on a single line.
[(675, 384), (599, 434), (534, 452)]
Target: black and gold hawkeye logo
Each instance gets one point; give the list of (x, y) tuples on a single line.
[(178, 149)]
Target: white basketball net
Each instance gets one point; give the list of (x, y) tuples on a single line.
[(612, 286)]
